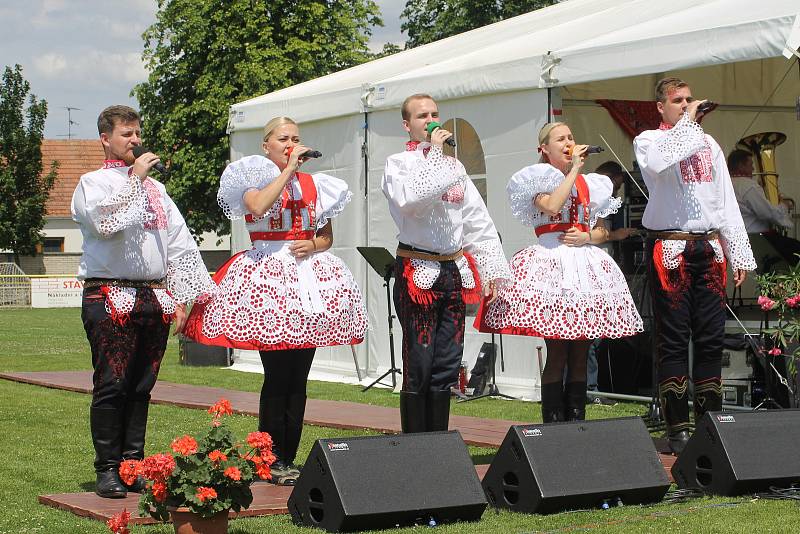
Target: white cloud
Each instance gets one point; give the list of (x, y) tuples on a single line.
[(51, 65)]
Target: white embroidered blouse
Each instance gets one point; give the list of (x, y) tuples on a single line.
[(691, 191), (132, 230), (437, 208)]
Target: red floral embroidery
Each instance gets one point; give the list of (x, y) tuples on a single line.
[(154, 206)]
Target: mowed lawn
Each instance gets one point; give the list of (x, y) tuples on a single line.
[(47, 449)]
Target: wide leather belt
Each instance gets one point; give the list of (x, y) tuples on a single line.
[(684, 236), (118, 282)]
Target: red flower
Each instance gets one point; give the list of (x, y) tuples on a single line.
[(222, 407), (204, 493), (766, 303), (775, 351), (129, 470), (159, 490), (263, 471), (260, 440), (185, 445), (233, 473), (118, 524), (217, 456), (158, 467)]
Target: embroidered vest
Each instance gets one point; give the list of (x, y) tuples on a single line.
[(296, 219)]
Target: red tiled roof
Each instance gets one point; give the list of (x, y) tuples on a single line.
[(75, 157)]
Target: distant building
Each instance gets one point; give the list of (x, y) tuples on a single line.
[(60, 252)]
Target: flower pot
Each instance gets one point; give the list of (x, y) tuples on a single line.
[(187, 522)]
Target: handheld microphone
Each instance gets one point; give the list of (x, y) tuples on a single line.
[(591, 149), (309, 154), (139, 150), (706, 106), (434, 125)]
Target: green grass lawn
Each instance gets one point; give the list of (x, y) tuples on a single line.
[(47, 449)]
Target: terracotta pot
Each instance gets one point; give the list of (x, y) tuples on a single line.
[(187, 522)]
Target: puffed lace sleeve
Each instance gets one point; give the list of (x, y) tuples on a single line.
[(481, 239), (412, 184), (239, 177), (106, 210), (601, 203), (660, 152), (525, 185), (332, 196), (187, 276)]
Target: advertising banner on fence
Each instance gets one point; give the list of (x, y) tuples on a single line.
[(56, 292)]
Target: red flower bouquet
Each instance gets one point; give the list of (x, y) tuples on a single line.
[(206, 476)]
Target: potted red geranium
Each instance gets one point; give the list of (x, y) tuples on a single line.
[(201, 479)]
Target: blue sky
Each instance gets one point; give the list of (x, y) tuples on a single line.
[(86, 54)]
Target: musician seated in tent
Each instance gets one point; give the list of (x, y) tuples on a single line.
[(448, 252), (694, 230), (773, 249)]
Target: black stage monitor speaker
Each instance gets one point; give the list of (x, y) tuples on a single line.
[(551, 467), (734, 453), (375, 482)]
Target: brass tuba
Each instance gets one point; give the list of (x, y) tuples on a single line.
[(762, 146)]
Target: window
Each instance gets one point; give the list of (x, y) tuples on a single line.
[(53, 244), (469, 152)]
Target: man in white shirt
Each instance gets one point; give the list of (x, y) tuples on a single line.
[(448, 253), (758, 214), (694, 226), (140, 265)]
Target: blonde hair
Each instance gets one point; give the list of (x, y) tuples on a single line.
[(404, 108), (665, 86), (544, 138), (274, 123)]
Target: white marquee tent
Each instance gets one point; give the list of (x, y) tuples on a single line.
[(504, 80)]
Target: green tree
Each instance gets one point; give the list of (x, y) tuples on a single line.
[(23, 188), (426, 21), (204, 55)]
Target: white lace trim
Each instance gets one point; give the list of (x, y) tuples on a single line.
[(127, 207), (165, 300), (425, 272), (609, 207), (467, 278), (490, 260), (671, 250), (120, 300), (681, 141), (435, 176), (187, 278), (522, 194), (333, 211), (737, 248), (253, 172)]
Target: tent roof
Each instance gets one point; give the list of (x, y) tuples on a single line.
[(570, 42)]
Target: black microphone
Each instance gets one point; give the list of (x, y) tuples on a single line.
[(309, 154), (434, 125), (706, 106), (139, 150), (590, 149)]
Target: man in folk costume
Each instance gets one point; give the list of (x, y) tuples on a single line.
[(448, 254), (140, 265), (694, 224)]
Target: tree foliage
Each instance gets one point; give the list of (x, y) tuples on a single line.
[(426, 21), (204, 55), (23, 188)]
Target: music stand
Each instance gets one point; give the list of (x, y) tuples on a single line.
[(492, 389), (382, 262)]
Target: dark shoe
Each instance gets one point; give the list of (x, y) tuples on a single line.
[(138, 486), (109, 485), (413, 412), (602, 401), (438, 411), (282, 474), (552, 402), (575, 401), (677, 441)]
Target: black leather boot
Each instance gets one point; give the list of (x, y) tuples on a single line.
[(133, 441), (413, 412), (438, 416), (106, 426), (552, 402), (295, 411), (707, 397), (575, 400), (675, 409)]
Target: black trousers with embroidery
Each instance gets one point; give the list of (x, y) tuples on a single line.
[(688, 304), (126, 355), (433, 333)]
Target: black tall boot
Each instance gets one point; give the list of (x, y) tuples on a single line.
[(413, 412), (295, 411), (707, 397), (552, 402), (675, 408), (575, 400), (106, 426), (133, 439), (438, 411)]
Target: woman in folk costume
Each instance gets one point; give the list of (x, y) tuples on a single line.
[(285, 296), (564, 289)]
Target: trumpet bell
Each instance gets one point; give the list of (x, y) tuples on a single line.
[(756, 142)]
